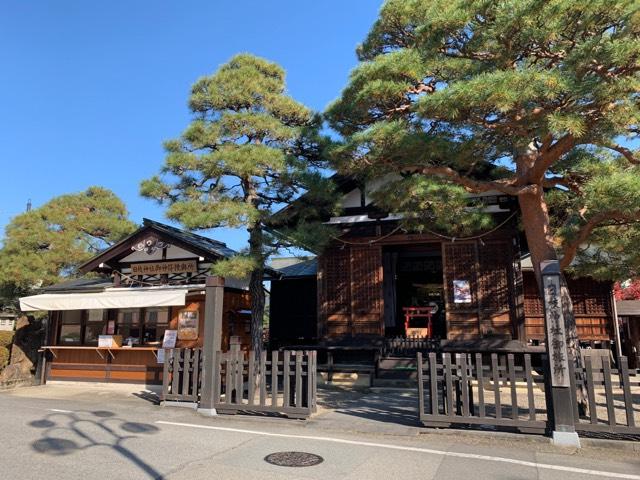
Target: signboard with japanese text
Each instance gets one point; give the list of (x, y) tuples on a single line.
[(188, 321), (159, 268), (556, 338), (169, 341)]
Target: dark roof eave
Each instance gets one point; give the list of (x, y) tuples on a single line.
[(212, 252)]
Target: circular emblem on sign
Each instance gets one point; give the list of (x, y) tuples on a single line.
[(293, 459), (150, 245)]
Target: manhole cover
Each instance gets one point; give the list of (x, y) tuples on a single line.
[(293, 459)]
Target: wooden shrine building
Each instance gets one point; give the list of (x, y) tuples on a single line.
[(376, 281), (110, 325)]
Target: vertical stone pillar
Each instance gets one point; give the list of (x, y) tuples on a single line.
[(562, 396), (212, 343)]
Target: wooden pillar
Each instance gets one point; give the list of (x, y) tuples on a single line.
[(615, 324), (41, 367), (212, 342)]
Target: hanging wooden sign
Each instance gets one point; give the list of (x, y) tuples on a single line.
[(159, 268), (188, 323)]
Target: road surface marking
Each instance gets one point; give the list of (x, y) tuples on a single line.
[(474, 456), (59, 411)]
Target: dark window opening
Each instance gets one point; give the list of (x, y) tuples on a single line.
[(156, 321)]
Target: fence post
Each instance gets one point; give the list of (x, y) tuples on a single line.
[(562, 396), (213, 309)]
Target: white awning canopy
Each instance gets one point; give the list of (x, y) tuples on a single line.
[(103, 300)]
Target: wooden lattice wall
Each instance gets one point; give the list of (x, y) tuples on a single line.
[(460, 263), (488, 268), (350, 291), (591, 306)]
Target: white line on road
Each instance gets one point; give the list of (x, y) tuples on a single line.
[(59, 411), (474, 456)]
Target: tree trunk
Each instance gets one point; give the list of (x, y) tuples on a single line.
[(257, 290), (535, 220)]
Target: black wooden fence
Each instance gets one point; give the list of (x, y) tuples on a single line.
[(282, 382), (181, 374), (507, 391), (469, 389)]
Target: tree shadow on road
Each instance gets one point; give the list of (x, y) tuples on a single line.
[(400, 407), (67, 433)]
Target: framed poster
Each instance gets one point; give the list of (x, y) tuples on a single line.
[(461, 291), (188, 321), (169, 341)]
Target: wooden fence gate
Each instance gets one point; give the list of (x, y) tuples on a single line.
[(284, 382), (508, 391), (464, 389), (613, 397), (181, 375)]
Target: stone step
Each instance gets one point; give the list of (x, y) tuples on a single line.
[(392, 363), (397, 368), (403, 383)]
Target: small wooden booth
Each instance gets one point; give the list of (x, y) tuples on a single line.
[(145, 291)]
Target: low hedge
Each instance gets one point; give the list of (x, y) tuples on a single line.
[(6, 338), (4, 357)]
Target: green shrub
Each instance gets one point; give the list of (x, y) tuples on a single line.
[(4, 357), (6, 338)]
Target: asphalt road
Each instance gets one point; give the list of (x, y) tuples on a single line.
[(79, 432)]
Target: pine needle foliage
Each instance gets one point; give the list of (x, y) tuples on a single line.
[(250, 150), (47, 244), (537, 99)]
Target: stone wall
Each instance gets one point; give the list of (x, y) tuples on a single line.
[(29, 337)]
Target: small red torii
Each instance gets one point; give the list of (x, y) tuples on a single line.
[(418, 312)]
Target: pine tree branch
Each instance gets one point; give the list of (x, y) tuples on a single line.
[(507, 186), (550, 156), (571, 249), (625, 152)]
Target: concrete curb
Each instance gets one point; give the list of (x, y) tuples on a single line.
[(586, 442)]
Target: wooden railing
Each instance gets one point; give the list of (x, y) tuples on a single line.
[(466, 389), (409, 346), (505, 391), (282, 382), (613, 397), (181, 375)]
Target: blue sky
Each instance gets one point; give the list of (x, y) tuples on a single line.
[(89, 90)]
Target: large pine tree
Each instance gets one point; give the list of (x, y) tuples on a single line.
[(250, 150), (536, 99), (48, 243)]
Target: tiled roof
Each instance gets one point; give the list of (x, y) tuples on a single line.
[(306, 268), (80, 284), (191, 238), (628, 307)]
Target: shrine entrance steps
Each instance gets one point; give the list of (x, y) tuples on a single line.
[(396, 372)]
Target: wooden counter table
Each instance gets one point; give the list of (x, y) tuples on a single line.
[(104, 364)]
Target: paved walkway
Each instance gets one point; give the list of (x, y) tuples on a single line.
[(392, 411), (113, 432)]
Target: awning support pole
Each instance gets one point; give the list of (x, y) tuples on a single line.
[(212, 344)]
